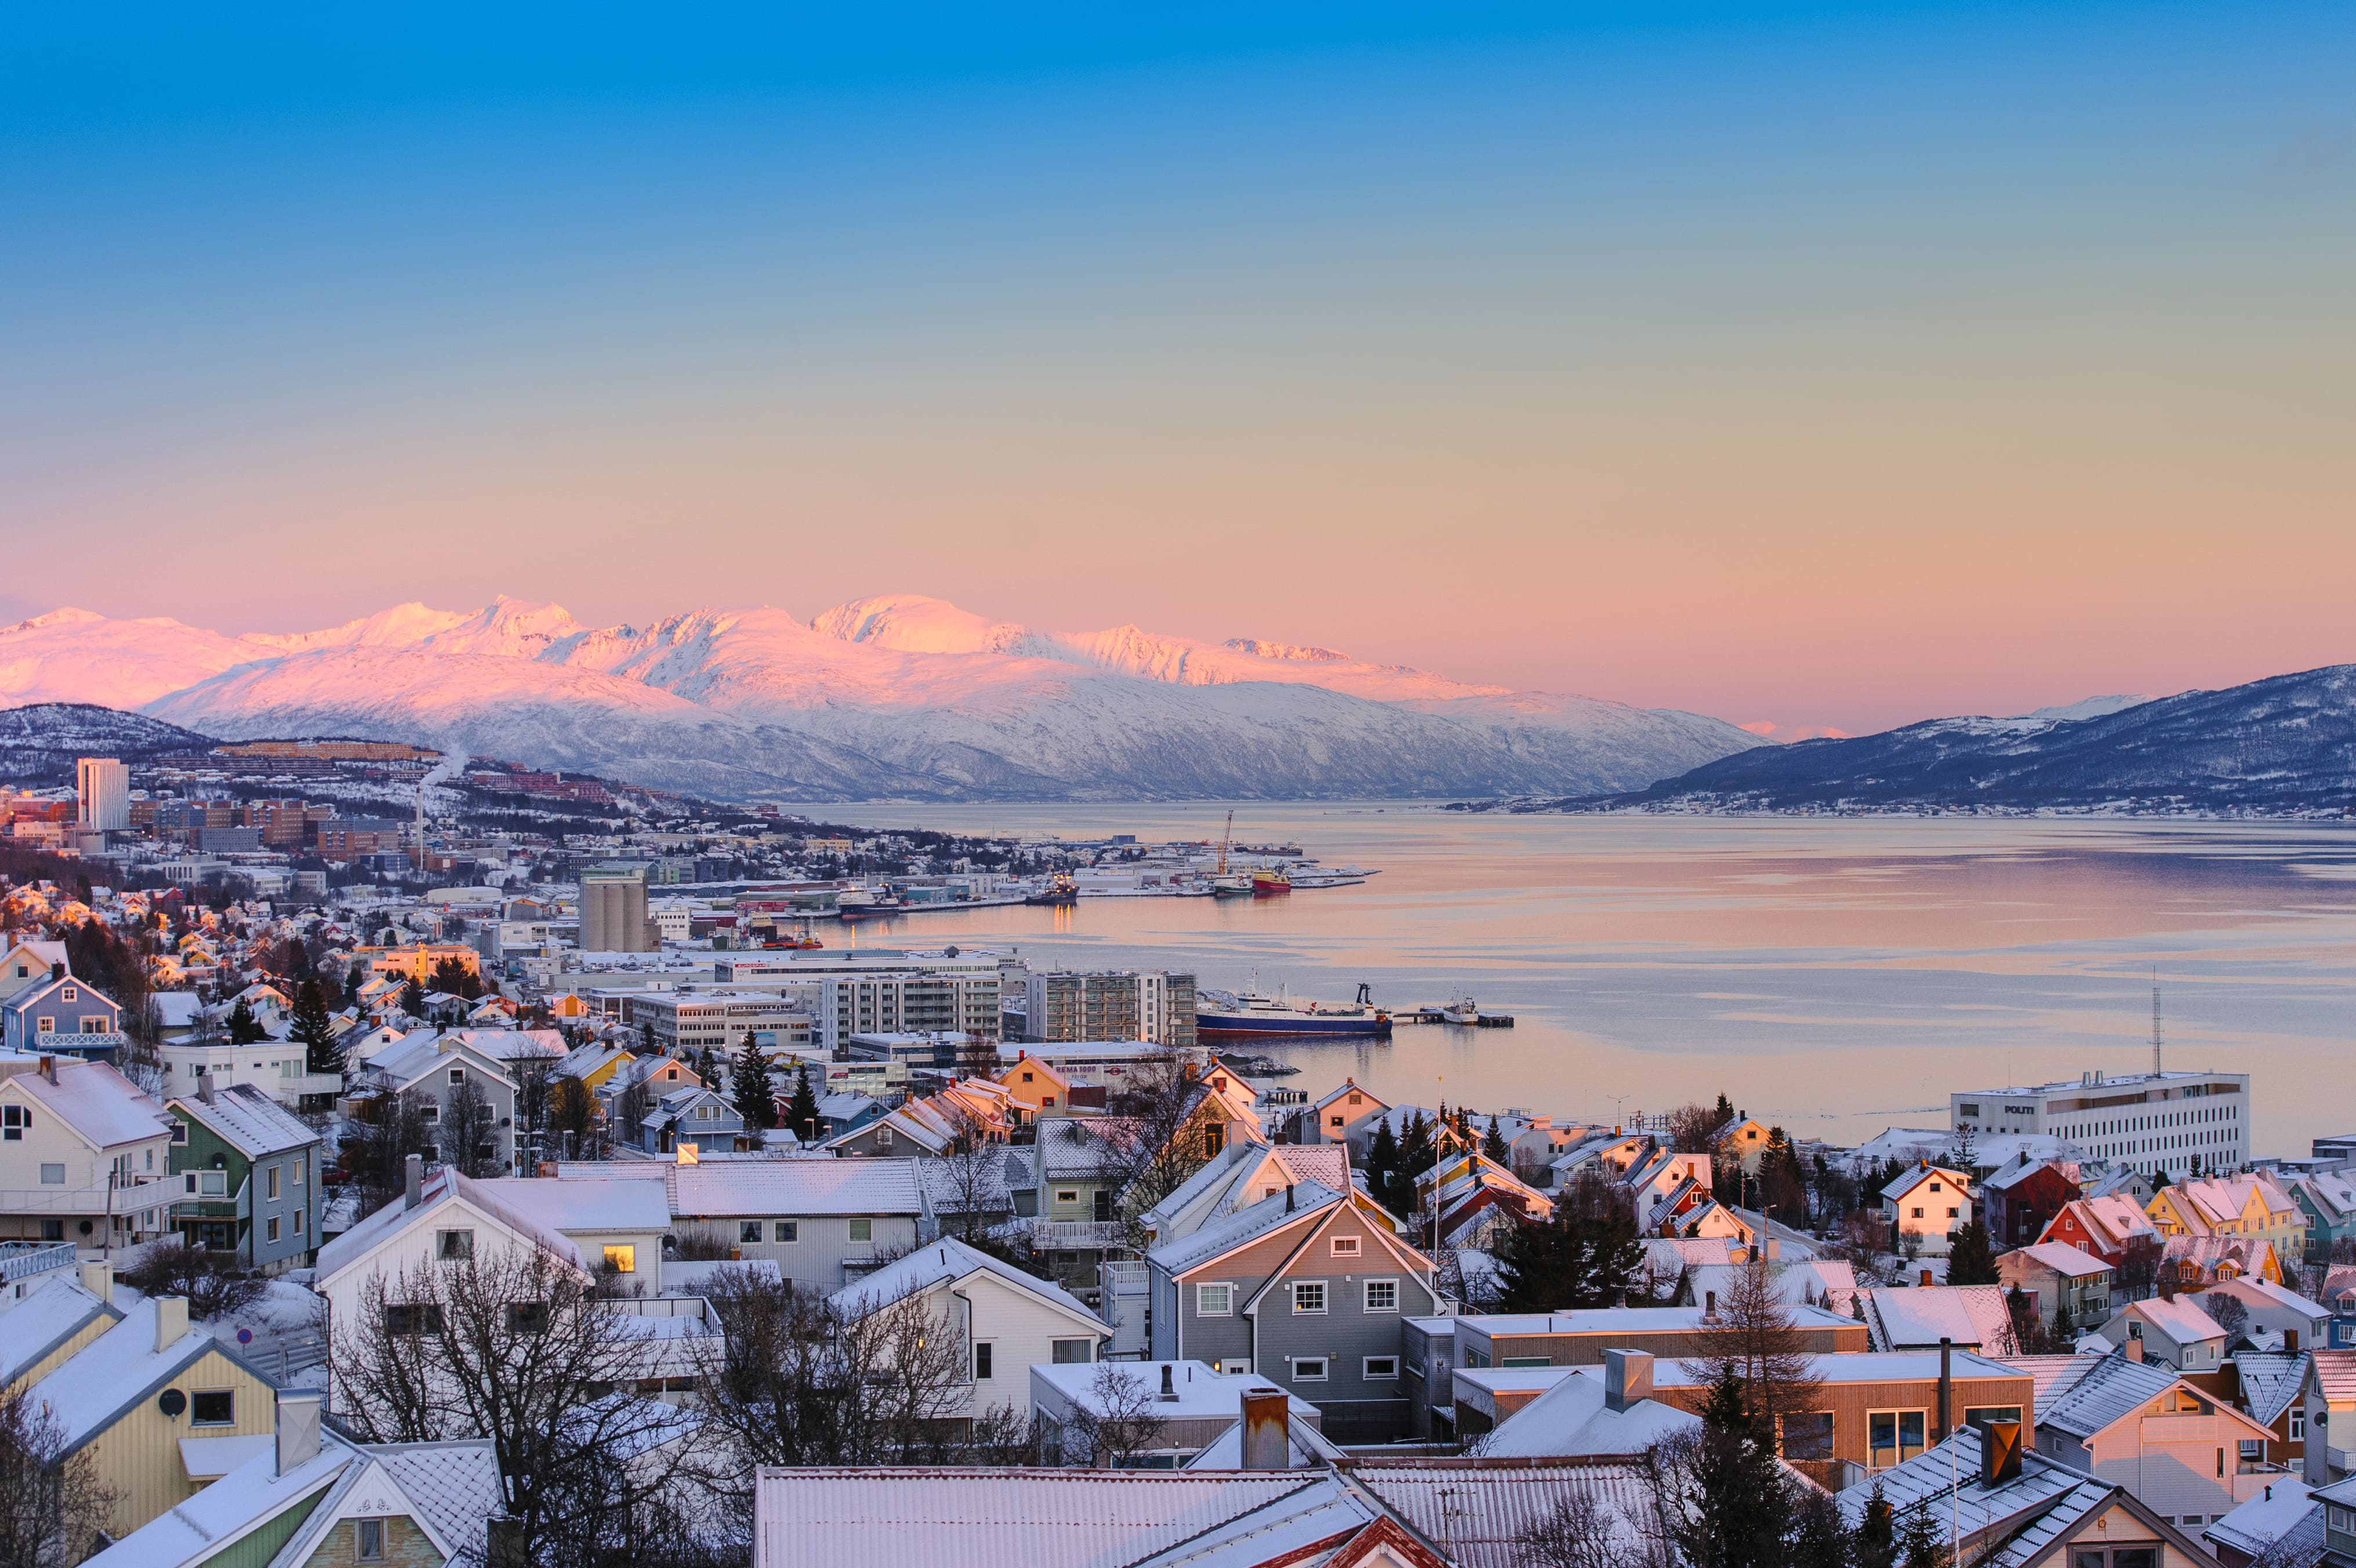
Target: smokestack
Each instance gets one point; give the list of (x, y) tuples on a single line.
[(1168, 1384), (2132, 1349), (413, 1191), (171, 1321), (298, 1427), (1627, 1377), (1947, 1388), (1267, 1415), (205, 1089), (1288, 1197), (57, 972), (99, 1279)]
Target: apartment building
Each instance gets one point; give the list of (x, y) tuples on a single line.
[(1155, 1005), (2167, 1120)]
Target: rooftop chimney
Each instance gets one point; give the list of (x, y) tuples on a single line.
[(298, 1427), (1947, 1388), (204, 1088), (1288, 1197), (1709, 1307), (2000, 1452), (1627, 1377), (50, 1068), (2290, 1341), (57, 972), (171, 1321), (99, 1279), (412, 1181), (1267, 1415), (1169, 1386), (1926, 1277), (2132, 1349)]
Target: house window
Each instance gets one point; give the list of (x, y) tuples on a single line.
[(2297, 1425), (53, 1175), (1071, 1352), (981, 1361), (1511, 1362), (748, 1230), (1308, 1370), (298, 1222), (1806, 1434), (270, 1182), (212, 1407), (273, 1228), (457, 1075), (1382, 1295), (14, 1119), (862, 1229), (1894, 1436), (789, 1231), (1336, 1121), (1918, 1214), (69, 994), (1381, 1369), (454, 1246), (622, 1259), (1213, 1301), (1308, 1295), (1068, 1195), (527, 1317), (299, 1161), (368, 1539), (44, 1025), (1346, 1246)]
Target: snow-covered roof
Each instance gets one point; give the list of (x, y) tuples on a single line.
[(2071, 1263), (754, 1187), (1305, 1448), (2271, 1293), (1627, 1320), (1244, 1227), (2265, 1519), (890, 1517), (2112, 1386), (1918, 1317), (578, 1208), (32, 1328), (945, 1261), (1572, 1419), (1906, 1181), (1200, 1388), (100, 1105), (1485, 1515), (248, 1120), (224, 1513), (443, 1190), (176, 1009), (2270, 1380), (2182, 1319), (113, 1373)]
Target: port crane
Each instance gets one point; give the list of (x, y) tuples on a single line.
[(1225, 839)]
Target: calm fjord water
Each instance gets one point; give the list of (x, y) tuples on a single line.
[(1836, 975)]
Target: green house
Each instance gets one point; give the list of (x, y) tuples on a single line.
[(248, 1173)]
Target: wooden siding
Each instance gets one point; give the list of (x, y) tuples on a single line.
[(139, 1455)]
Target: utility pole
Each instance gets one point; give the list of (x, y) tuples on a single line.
[(2155, 1020)]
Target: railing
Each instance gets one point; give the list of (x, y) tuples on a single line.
[(23, 1260), (85, 1199), (59, 1042), (1072, 1235)]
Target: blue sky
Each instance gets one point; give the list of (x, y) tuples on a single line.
[(1669, 352)]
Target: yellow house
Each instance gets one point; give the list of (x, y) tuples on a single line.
[(568, 1008), (53, 1321), (159, 1406), (418, 963), (1036, 1090), (2232, 1206)]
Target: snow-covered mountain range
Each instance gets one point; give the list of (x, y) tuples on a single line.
[(895, 697)]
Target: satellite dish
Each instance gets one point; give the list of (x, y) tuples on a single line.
[(171, 1401)]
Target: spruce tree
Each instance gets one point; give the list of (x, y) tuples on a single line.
[(244, 1028), (1875, 1544), (315, 1031), (1382, 1159), (1492, 1144), (801, 1112), (1725, 1108), (749, 1088), (1736, 1510), (1970, 1259)]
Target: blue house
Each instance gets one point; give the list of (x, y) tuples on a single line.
[(698, 1116), (61, 1016)]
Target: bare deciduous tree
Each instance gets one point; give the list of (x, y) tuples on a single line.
[(519, 1346), (53, 1505), (1119, 1423), (1583, 1531), (1758, 1339), (468, 1133), (213, 1282)]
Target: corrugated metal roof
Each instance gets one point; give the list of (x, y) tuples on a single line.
[(1243, 1226), (1478, 1516), (248, 1120), (2055, 1375), (2114, 1386), (2335, 1372), (2270, 1381), (996, 1519)]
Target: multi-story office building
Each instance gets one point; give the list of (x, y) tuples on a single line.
[(102, 793), (2159, 1121), (686, 1021), (907, 1002), (1109, 1005)]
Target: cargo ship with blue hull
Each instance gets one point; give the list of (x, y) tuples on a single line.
[(1246, 1014)]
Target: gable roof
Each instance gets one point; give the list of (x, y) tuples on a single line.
[(2180, 1319), (2270, 1381), (1906, 1181), (1573, 1419), (572, 1205), (247, 1119), (1918, 1317), (2110, 1391), (100, 1105), (1244, 1227), (443, 1191), (231, 1509), (2071, 1263), (93, 1387), (2333, 1375), (34, 1327), (760, 1188), (947, 1262)]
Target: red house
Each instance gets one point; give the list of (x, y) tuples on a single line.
[(2020, 1200)]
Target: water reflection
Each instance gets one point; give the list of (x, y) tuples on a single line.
[(1836, 975)]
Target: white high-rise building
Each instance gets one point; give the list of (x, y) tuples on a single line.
[(2148, 1120), (103, 786)]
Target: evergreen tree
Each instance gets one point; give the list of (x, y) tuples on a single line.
[(801, 1112), (1382, 1159), (1923, 1538), (749, 1088), (1734, 1510), (1492, 1144), (454, 978), (413, 1000), (1415, 1157), (1725, 1108), (244, 1028), (1820, 1537), (1970, 1259), (354, 978), (1875, 1544), (1586, 1255), (315, 1031)]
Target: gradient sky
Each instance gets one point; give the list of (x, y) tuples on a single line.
[(1825, 365)]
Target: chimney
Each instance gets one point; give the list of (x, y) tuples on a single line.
[(1709, 1307), (1627, 1377), (2132, 1349), (99, 1279), (1774, 1249), (2000, 1452), (2290, 1341), (1169, 1387), (57, 972), (1267, 1415), (412, 1181), (1288, 1197), (50, 1068), (171, 1321), (298, 1427), (1947, 1388), (205, 1089), (1926, 1277)]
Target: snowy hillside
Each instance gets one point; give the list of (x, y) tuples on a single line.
[(39, 743), (894, 696)]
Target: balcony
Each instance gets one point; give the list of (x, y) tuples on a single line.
[(56, 1202), (24, 1260), (59, 1043), (1076, 1235)]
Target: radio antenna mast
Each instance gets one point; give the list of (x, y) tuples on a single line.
[(2155, 1020)]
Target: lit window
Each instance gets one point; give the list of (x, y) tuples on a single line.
[(1308, 1295)]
